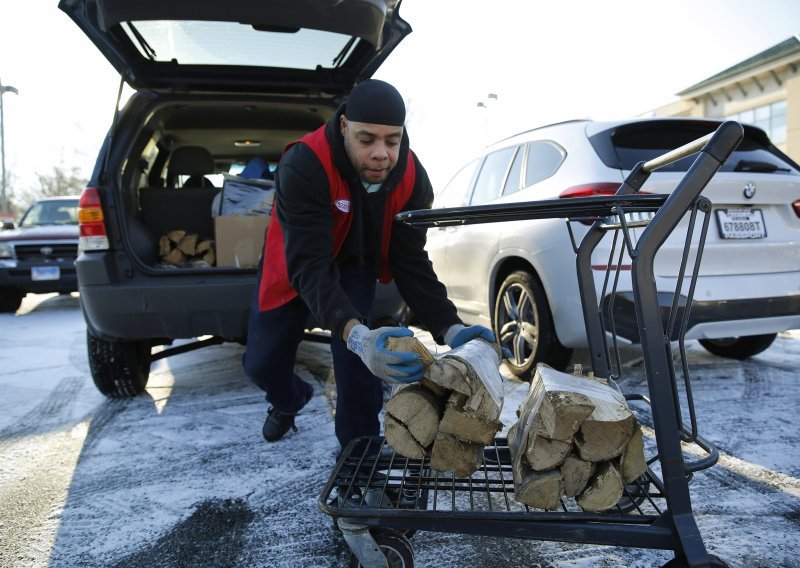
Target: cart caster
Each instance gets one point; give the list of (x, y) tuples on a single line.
[(713, 562), (376, 548)]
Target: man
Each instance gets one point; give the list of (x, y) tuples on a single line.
[(332, 235)]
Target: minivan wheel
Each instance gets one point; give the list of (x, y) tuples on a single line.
[(119, 368), (10, 300), (739, 347), (524, 325)]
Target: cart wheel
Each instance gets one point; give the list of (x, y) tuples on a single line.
[(713, 561), (635, 494), (395, 547)]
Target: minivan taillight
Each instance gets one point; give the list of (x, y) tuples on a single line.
[(590, 189), (93, 234), (796, 207)]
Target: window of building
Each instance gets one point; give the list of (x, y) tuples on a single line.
[(770, 118)]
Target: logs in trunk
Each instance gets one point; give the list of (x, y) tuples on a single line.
[(179, 248)]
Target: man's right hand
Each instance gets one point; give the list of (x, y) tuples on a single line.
[(394, 366)]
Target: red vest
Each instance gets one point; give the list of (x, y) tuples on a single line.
[(275, 289)]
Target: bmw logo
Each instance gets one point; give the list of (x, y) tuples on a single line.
[(750, 190)]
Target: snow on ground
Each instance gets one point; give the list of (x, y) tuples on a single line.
[(181, 476)]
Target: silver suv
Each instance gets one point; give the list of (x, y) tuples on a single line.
[(218, 88), (520, 278)]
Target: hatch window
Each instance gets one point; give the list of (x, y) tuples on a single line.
[(229, 43)]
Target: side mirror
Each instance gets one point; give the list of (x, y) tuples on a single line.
[(8, 225)]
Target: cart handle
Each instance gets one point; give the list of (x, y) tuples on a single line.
[(677, 154)]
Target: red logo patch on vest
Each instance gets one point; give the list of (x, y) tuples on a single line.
[(343, 205)]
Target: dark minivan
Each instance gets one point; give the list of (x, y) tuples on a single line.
[(219, 87)]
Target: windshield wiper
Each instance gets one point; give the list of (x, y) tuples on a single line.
[(340, 57), (149, 52), (758, 167)]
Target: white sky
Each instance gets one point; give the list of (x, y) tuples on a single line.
[(545, 60)]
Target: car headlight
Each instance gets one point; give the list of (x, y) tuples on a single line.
[(6, 250)]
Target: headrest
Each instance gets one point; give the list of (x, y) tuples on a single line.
[(190, 161)]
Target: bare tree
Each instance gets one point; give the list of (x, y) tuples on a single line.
[(62, 181)]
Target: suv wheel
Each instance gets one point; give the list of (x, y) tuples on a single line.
[(10, 300), (739, 347), (119, 368), (523, 324)]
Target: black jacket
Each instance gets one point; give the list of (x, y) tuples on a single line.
[(303, 201)]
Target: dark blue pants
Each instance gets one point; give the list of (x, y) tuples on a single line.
[(272, 340)]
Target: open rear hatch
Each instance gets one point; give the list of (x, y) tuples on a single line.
[(244, 46)]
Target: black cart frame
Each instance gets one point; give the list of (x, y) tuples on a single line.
[(397, 496)]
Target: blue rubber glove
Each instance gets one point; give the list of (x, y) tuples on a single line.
[(393, 366), (458, 335)]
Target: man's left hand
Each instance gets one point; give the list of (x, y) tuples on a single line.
[(458, 335)]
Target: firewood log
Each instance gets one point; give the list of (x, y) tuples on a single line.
[(188, 244), (581, 428), (451, 454), (417, 410), (450, 417), (176, 257), (164, 246), (576, 474), (475, 425), (410, 344), (543, 453), (401, 440), (604, 490), (632, 463), (176, 235)]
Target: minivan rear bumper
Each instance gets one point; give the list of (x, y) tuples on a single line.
[(183, 306), (163, 308)]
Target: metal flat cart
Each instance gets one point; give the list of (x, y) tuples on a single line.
[(380, 499)]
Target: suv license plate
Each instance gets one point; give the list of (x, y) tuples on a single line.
[(741, 224), (45, 273)]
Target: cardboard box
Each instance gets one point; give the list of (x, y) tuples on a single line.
[(240, 239)]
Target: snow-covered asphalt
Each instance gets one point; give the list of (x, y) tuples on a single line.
[(180, 476)]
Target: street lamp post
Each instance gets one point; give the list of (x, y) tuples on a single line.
[(485, 105), (3, 90)]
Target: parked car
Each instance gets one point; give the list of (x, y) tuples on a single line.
[(38, 255), (217, 84), (520, 278)]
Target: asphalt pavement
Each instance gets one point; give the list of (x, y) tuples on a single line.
[(180, 475)]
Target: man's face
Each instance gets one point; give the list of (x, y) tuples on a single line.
[(372, 148)]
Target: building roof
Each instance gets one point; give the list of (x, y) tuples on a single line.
[(786, 47)]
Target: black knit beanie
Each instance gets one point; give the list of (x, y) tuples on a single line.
[(376, 102)]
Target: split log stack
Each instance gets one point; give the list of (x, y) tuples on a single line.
[(575, 437), (179, 248), (453, 412)]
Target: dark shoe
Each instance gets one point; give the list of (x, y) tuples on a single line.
[(278, 424)]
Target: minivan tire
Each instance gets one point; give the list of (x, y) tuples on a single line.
[(521, 306), (120, 369), (739, 347)]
